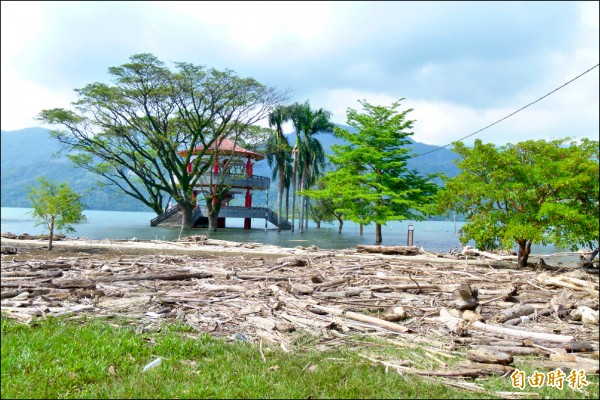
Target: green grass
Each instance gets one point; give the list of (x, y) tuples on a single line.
[(60, 358)]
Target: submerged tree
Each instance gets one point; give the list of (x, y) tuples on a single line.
[(325, 206), (56, 206), (131, 131), (309, 155), (534, 192), (372, 177), (279, 155)]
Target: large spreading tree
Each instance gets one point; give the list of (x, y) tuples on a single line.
[(534, 192), (371, 179), (132, 130)]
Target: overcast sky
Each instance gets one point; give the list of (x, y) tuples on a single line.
[(460, 65)]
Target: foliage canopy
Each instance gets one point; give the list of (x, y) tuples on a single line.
[(56, 206), (534, 192), (133, 131), (372, 183)]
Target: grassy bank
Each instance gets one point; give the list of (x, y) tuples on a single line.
[(81, 358)]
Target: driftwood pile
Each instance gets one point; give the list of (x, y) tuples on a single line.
[(493, 314)]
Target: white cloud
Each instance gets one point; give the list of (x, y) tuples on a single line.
[(330, 53), (25, 100)]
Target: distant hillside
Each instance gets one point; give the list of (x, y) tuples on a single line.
[(32, 152), (441, 160)]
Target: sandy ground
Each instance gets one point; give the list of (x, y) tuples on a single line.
[(205, 248)]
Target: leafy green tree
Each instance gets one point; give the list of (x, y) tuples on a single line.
[(372, 176), (279, 154), (133, 131), (56, 206), (322, 205), (534, 192)]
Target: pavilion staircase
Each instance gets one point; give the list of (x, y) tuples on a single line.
[(173, 216)]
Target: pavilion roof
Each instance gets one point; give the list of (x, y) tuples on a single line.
[(225, 147)]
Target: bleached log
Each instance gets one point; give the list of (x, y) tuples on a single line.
[(269, 277), (446, 317), (586, 315), (588, 368), (33, 274), (395, 314), (569, 283), (299, 288), (407, 286), (331, 283), (305, 322), (549, 337), (467, 315), (469, 251), (516, 312), (362, 318), (454, 324), (376, 321), (8, 250), (67, 283), (350, 292), (401, 250), (476, 371), (489, 355), (468, 298), (261, 322), (577, 347), (512, 350), (177, 276)]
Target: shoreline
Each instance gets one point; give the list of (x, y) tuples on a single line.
[(201, 245), (215, 248)]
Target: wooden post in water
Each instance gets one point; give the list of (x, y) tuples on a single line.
[(409, 238)]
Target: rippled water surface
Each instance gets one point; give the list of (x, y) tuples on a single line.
[(433, 236)]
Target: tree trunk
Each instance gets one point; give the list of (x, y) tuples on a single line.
[(302, 198), (524, 251), (280, 196), (187, 210), (377, 233), (294, 173), (287, 203), (589, 261), (51, 232), (301, 208), (306, 214), (213, 212), (340, 224), (361, 230), (318, 224)]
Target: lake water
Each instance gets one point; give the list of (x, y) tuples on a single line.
[(433, 236)]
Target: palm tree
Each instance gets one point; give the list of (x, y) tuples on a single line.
[(287, 184), (279, 153), (296, 116), (311, 154)]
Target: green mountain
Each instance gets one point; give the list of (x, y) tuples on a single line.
[(32, 152), (436, 160)]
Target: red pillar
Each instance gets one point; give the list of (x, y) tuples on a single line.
[(248, 204), (249, 171)]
